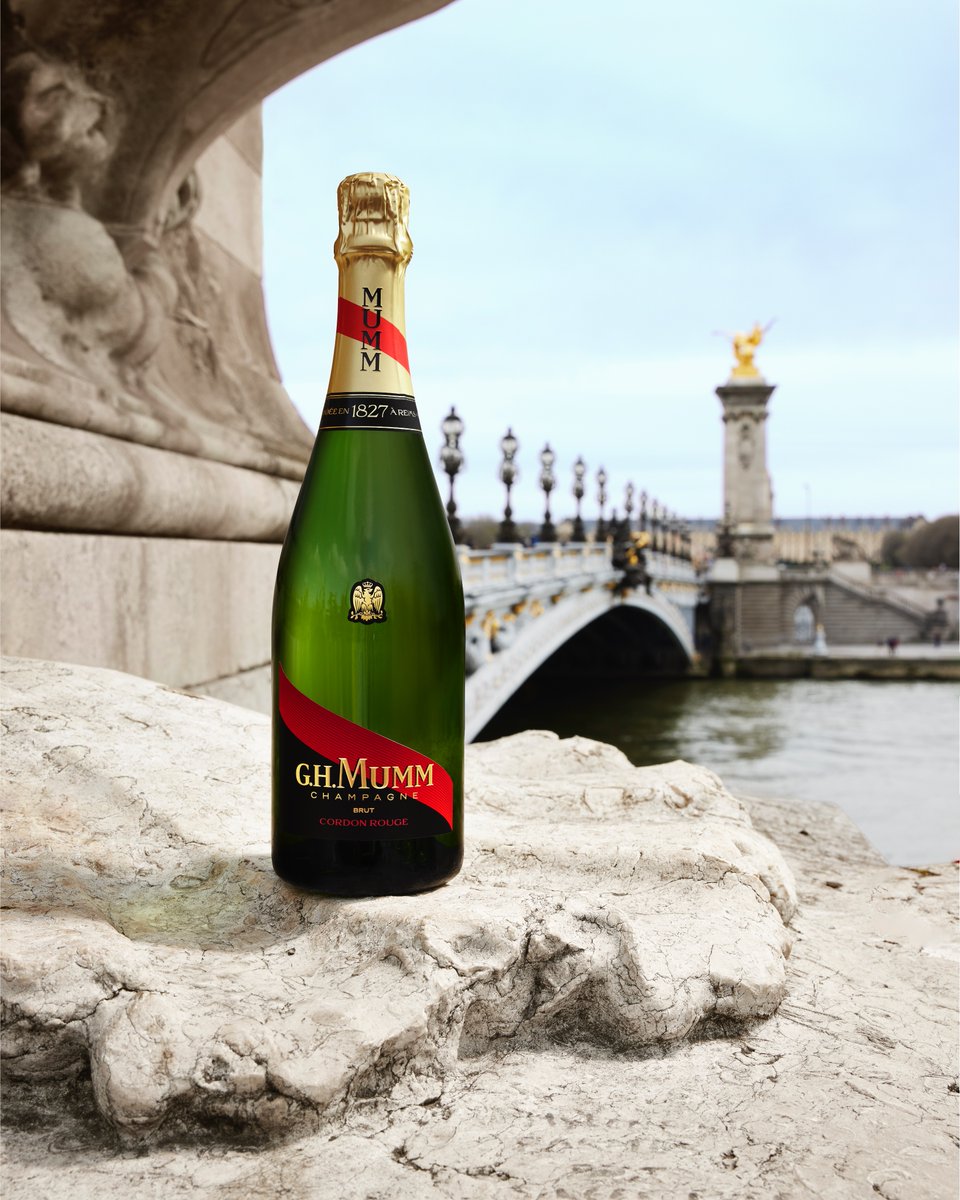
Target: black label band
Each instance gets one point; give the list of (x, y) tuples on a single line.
[(337, 779), (370, 410), (317, 798)]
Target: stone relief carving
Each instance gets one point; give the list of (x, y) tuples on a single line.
[(745, 550), (746, 445), (122, 315), (55, 129), (164, 338), (80, 294), (185, 203)]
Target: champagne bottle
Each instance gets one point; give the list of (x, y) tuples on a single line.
[(368, 624)]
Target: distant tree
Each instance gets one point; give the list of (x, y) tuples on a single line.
[(480, 532), (892, 546), (931, 543)]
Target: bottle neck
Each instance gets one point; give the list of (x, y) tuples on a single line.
[(370, 354)]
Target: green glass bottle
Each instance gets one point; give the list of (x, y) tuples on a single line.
[(368, 622)]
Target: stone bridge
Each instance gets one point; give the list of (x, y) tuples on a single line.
[(777, 609), (524, 605)]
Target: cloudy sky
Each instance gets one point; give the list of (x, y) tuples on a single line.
[(597, 188)]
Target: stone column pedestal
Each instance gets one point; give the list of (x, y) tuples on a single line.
[(747, 494)]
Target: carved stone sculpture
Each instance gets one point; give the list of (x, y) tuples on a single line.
[(87, 301), (139, 390)]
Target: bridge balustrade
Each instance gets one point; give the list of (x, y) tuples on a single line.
[(668, 567), (482, 569)]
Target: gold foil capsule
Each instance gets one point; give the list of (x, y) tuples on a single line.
[(374, 212)]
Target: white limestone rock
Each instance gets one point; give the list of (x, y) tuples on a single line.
[(147, 935), (515, 1034)]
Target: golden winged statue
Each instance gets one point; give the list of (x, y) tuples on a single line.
[(744, 348), (366, 602)]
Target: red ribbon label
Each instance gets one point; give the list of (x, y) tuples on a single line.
[(367, 326), (341, 780)]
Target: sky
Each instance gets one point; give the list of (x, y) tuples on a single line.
[(599, 190)]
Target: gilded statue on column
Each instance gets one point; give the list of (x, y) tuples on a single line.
[(744, 348)]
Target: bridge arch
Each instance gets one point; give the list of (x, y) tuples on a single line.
[(541, 638), (802, 613)]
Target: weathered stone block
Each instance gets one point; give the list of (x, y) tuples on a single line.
[(150, 938), (182, 611), (59, 479)]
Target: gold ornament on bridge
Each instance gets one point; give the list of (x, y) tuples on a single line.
[(744, 348)]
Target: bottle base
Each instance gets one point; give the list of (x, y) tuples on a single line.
[(379, 868)]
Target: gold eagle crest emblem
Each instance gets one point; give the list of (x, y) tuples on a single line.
[(366, 602)]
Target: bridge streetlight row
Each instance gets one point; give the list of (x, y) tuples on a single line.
[(660, 530)]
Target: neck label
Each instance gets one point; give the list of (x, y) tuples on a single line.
[(370, 410), (374, 334)]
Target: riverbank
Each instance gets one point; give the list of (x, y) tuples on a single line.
[(848, 662)]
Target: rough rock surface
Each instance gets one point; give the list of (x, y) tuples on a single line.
[(585, 1012), (150, 934)]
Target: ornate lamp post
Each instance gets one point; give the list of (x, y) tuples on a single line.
[(579, 470), (601, 532), (655, 525), (628, 509), (451, 458), (643, 512), (547, 481), (508, 476)]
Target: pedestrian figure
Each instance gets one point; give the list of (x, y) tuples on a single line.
[(892, 644)]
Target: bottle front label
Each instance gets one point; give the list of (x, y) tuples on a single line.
[(340, 780), (370, 410)]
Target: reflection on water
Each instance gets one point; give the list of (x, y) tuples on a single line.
[(885, 751)]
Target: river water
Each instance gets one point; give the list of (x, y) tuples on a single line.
[(886, 752)]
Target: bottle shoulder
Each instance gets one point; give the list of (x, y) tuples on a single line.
[(381, 473), (370, 497)]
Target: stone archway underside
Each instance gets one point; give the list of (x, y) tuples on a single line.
[(177, 74), (494, 683)]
